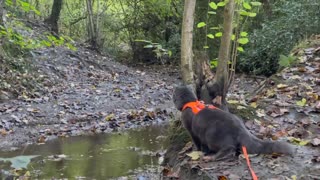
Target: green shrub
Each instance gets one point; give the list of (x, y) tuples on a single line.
[(291, 22)]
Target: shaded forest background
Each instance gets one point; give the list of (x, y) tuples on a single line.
[(148, 31)]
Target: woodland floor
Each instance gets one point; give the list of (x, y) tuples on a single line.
[(89, 93)]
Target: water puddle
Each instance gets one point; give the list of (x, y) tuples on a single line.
[(134, 153)]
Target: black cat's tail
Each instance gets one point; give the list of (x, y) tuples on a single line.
[(258, 146)]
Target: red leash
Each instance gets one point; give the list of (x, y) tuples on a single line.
[(253, 174)]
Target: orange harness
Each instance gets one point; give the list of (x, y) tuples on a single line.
[(196, 107)]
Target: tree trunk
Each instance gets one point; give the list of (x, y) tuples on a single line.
[(54, 17), (2, 5), (91, 26), (267, 8), (201, 58), (217, 88), (186, 42)]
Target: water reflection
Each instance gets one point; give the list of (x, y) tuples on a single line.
[(99, 157)]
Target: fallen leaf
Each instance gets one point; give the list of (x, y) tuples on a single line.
[(260, 113), (195, 155), (3, 132), (222, 178), (302, 69), (254, 104), (282, 86), (41, 140), (302, 102), (109, 117), (241, 107), (32, 110), (270, 93), (294, 177), (28, 174), (186, 148), (298, 141), (233, 102), (315, 142), (167, 172), (19, 162)]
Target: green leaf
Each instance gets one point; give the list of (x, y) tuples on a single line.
[(218, 34), (3, 32), (252, 14), (233, 37), (284, 61), (213, 5), (243, 34), (246, 5), (240, 49), (9, 2), (244, 13), (201, 24), (214, 63), (302, 102), (243, 40), (169, 53), (46, 43), (256, 3), (140, 40), (211, 12), (148, 46), (211, 36), (205, 47), (221, 4)]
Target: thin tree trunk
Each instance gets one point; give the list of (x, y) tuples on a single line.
[(186, 42), (201, 58), (2, 11), (91, 26), (54, 17), (224, 51)]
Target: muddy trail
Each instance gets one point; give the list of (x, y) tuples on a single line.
[(86, 93)]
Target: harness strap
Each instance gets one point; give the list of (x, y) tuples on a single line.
[(245, 153)]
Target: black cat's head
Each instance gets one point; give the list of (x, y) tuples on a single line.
[(182, 95)]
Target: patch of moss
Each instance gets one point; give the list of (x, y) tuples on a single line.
[(249, 113), (177, 138)]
